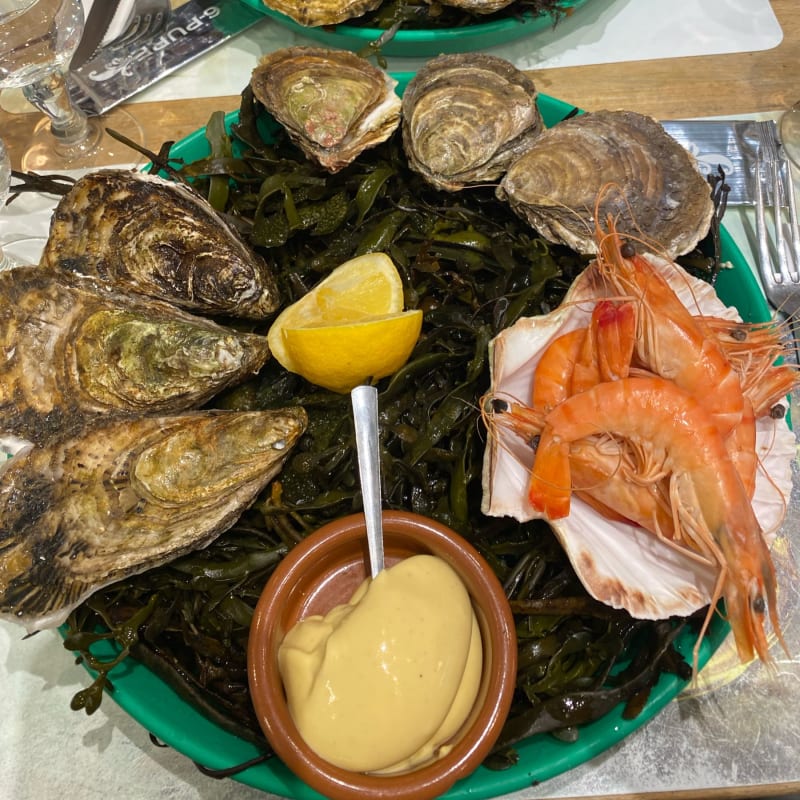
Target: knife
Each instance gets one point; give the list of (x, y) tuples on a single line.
[(95, 28)]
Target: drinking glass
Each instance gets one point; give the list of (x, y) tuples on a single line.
[(37, 41), (790, 133)]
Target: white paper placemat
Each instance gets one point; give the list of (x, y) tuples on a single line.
[(600, 32)]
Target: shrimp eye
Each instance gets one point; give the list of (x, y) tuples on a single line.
[(738, 334), (758, 605), (498, 406), (627, 250), (778, 411), (534, 442)]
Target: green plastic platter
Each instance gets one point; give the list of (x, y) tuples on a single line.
[(173, 721), (422, 43)]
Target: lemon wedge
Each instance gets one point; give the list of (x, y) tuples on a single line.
[(339, 357), (349, 328)]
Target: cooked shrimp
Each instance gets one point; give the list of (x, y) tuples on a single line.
[(583, 357), (753, 350), (711, 509), (741, 446), (552, 376), (613, 329), (606, 475), (671, 342)]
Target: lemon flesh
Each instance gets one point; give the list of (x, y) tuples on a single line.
[(339, 357), (364, 287)]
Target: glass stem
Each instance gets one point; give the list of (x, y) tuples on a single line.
[(50, 95)]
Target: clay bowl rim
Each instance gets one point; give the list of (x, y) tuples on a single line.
[(497, 627)]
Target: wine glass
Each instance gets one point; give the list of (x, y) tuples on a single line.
[(37, 41), (790, 133)]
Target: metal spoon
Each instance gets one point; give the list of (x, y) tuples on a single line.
[(365, 416)]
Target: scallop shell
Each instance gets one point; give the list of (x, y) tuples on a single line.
[(313, 13), (619, 564), (466, 117), (332, 103), (645, 179), (160, 238), (123, 497)]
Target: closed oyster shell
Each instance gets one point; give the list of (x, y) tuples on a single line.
[(466, 117), (332, 103), (620, 564), (75, 349), (124, 497), (638, 172), (160, 238), (314, 13)]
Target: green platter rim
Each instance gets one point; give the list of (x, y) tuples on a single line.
[(419, 43), (173, 721)]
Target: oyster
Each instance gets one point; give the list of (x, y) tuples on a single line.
[(160, 238), (476, 6), (124, 497), (75, 349), (314, 13), (466, 117), (620, 564), (332, 103), (656, 184)]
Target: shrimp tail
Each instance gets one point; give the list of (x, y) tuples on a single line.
[(550, 485)]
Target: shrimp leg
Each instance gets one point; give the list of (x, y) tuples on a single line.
[(709, 500)]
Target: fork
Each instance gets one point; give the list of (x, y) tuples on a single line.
[(149, 18), (780, 274)]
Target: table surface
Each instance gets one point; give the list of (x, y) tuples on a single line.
[(749, 743)]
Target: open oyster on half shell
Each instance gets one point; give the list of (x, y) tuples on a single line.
[(466, 117), (644, 178), (332, 103)]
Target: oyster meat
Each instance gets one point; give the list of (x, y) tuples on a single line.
[(332, 103), (75, 349), (466, 117), (643, 177), (314, 13), (619, 563), (123, 497), (160, 238)]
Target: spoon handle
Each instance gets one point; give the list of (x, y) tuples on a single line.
[(365, 416)]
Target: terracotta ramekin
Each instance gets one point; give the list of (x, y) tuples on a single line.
[(323, 571)]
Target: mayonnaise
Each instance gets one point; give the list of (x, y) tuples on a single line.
[(381, 683)]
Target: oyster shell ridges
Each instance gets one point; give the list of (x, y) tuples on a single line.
[(76, 349), (466, 117), (620, 162), (160, 238), (314, 13), (124, 497)]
